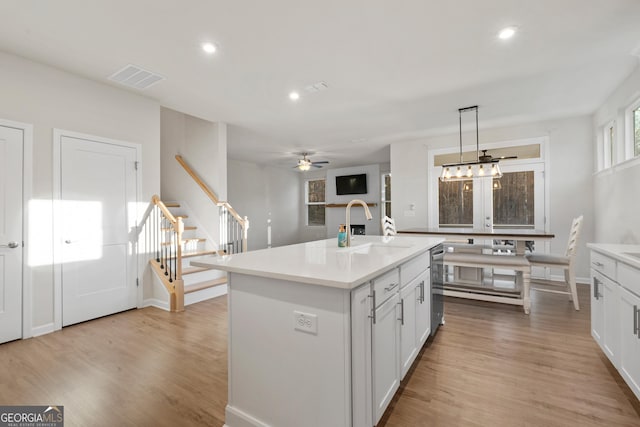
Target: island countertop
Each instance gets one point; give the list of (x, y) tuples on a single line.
[(322, 262)]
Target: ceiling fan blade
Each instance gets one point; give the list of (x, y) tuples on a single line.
[(315, 165), (508, 157), (323, 162)]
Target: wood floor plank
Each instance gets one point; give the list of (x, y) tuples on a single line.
[(489, 365)]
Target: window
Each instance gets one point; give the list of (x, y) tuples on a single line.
[(632, 133), (386, 195), (513, 200), (315, 201), (609, 144), (455, 203)]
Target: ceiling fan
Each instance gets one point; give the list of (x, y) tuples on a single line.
[(304, 164), (486, 158)]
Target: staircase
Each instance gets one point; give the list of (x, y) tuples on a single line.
[(199, 283), (171, 240)]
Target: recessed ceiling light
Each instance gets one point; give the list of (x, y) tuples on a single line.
[(209, 47), (294, 96), (507, 33)]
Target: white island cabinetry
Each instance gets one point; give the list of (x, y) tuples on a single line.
[(615, 307), (304, 349)]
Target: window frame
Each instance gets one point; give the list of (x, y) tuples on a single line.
[(609, 144), (630, 130), (307, 203), (383, 194)]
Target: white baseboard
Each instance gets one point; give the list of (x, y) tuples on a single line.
[(154, 302), (205, 294), (236, 418), (42, 330)]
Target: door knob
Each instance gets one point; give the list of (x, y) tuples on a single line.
[(11, 245)]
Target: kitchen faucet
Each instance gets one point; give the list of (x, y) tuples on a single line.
[(367, 213)]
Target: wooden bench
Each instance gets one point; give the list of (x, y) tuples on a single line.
[(507, 262)]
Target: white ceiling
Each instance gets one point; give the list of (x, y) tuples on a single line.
[(395, 69)]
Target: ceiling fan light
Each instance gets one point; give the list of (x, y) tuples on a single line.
[(304, 166)]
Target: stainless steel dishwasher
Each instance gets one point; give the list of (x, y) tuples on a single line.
[(437, 288)]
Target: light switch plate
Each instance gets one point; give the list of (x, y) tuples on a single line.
[(305, 322)]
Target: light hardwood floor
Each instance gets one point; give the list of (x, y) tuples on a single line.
[(490, 365)]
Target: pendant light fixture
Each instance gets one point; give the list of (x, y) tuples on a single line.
[(463, 171)]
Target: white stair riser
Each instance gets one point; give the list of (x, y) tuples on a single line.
[(205, 294), (201, 276)]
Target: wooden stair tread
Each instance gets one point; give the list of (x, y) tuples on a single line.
[(172, 204), (192, 270), (205, 285), (186, 228), (191, 239), (197, 253)]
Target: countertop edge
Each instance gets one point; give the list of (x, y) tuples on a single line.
[(616, 251)]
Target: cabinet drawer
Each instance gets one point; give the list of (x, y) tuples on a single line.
[(412, 268), (629, 277), (386, 285), (603, 264)]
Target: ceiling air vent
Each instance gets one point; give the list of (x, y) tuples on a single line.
[(136, 77)]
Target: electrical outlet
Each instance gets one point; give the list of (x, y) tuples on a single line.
[(305, 322)]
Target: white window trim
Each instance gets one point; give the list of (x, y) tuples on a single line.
[(629, 135), (308, 203), (608, 145)]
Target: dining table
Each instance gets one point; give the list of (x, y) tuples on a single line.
[(493, 249)]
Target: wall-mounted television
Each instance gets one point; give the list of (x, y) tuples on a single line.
[(351, 184)]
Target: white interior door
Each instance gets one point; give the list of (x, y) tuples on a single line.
[(97, 217), (11, 163)]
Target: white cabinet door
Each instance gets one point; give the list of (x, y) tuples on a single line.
[(423, 309), (408, 347), (597, 306), (361, 304), (629, 359), (611, 322), (386, 355)]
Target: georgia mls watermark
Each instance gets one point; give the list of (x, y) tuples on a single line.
[(31, 416)]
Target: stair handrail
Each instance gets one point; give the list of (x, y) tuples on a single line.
[(208, 190), (242, 222)]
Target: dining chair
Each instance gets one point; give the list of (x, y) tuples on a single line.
[(388, 226), (565, 262)]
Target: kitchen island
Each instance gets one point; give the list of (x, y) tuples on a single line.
[(321, 335)]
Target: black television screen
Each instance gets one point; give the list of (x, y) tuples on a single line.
[(351, 184)]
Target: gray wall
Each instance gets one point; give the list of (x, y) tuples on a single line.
[(337, 216), (617, 189), (202, 144), (262, 193), (569, 175), (49, 98)]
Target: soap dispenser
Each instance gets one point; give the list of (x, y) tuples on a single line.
[(342, 237)]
